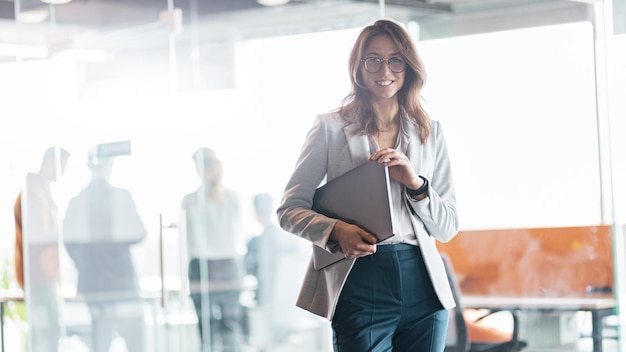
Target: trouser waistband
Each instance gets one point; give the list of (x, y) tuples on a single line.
[(394, 247)]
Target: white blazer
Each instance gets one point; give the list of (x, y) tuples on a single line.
[(331, 150)]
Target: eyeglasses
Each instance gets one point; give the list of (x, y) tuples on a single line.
[(374, 64)]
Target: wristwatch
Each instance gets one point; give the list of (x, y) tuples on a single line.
[(416, 192)]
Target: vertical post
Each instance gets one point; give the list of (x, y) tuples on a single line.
[(603, 32), (602, 112), (161, 265)]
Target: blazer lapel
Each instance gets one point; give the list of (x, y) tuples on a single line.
[(413, 145), (358, 145)]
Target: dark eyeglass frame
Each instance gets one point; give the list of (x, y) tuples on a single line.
[(380, 62)]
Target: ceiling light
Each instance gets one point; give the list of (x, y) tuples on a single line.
[(55, 2), (272, 2)]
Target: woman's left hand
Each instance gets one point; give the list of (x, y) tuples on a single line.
[(400, 168)]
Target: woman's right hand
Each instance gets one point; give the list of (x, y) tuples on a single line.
[(354, 241)]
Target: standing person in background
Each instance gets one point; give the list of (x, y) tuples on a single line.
[(211, 221), (271, 257), (396, 293), (101, 225), (36, 242)]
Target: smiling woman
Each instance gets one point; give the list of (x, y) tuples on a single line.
[(382, 121)]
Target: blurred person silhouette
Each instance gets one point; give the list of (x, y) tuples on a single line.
[(211, 222), (101, 225), (37, 244), (273, 257)]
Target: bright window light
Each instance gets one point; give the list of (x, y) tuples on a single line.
[(23, 51), (84, 55)]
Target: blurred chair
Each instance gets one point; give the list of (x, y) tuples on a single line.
[(463, 334)]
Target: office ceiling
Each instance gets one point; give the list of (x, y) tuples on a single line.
[(135, 32), (40, 23), (111, 14)]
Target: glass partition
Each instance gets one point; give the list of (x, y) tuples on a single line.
[(85, 283), (41, 252), (147, 87), (521, 155)]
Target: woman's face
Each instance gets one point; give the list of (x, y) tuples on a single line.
[(385, 83)]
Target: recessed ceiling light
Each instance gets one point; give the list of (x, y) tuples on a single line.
[(55, 2), (272, 2)]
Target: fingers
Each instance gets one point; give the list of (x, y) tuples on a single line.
[(389, 157), (360, 250), (364, 244), (367, 239), (400, 168), (354, 241)]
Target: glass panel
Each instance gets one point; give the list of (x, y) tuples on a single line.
[(27, 88), (514, 109), (106, 239), (617, 107), (248, 84), (41, 251)]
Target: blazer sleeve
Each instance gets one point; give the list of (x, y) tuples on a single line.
[(294, 213), (438, 211)]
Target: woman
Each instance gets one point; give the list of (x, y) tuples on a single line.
[(394, 295), (211, 218)]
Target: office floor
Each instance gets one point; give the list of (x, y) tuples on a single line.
[(583, 345), (581, 341), (310, 343), (184, 338)]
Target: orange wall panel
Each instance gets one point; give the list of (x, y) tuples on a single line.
[(536, 262)]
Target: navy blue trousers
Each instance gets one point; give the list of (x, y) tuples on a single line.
[(388, 304)]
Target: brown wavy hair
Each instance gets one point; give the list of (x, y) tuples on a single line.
[(356, 107)]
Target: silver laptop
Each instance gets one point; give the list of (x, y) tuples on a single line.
[(361, 196)]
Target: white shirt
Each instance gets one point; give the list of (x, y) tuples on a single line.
[(400, 217), (212, 226)]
